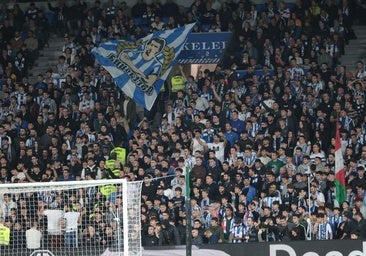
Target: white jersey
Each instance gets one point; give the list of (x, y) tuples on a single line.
[(197, 146), (71, 220), (54, 221), (33, 238)]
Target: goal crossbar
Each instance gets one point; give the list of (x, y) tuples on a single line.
[(35, 187)]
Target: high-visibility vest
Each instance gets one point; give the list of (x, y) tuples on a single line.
[(116, 172), (110, 163), (177, 83), (4, 235), (121, 154), (106, 190)]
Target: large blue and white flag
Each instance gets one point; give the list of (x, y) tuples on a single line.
[(140, 68)]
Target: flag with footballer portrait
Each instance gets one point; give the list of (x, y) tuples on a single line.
[(140, 68)]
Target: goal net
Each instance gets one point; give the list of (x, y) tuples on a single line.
[(98, 217)]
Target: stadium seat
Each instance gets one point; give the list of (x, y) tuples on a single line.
[(261, 8), (24, 35), (165, 20), (146, 29), (291, 6), (50, 17), (138, 21), (2, 81), (205, 27)]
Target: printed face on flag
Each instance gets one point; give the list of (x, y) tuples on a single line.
[(141, 62), (153, 48), (140, 68)]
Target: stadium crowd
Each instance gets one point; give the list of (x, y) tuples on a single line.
[(250, 144)]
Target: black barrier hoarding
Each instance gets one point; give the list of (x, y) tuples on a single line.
[(299, 248)]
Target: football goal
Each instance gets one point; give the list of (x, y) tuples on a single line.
[(98, 217)]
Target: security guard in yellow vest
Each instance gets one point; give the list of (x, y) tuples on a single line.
[(177, 82), (121, 154), (4, 234), (110, 163), (106, 190)]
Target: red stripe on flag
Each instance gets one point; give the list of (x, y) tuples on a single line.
[(340, 176)]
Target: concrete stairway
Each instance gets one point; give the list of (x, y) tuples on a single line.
[(48, 57), (356, 49)]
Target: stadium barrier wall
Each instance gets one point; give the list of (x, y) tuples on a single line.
[(292, 248), (298, 248)]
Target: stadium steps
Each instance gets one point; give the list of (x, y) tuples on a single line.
[(356, 49), (48, 57)]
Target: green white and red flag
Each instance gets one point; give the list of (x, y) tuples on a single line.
[(340, 172)]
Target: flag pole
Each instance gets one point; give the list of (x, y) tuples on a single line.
[(188, 216), (309, 195)]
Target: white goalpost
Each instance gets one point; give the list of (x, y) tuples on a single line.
[(97, 217)]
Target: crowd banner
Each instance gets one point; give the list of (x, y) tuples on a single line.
[(140, 68), (204, 48)]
